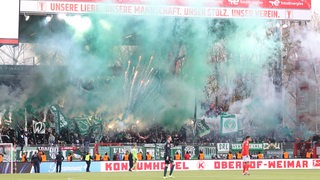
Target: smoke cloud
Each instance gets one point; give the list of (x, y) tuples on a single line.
[(154, 69)]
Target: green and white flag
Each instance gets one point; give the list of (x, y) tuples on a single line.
[(83, 124), (229, 124), (60, 120), (202, 128), (38, 127)]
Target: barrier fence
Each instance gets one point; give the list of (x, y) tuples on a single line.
[(216, 151)]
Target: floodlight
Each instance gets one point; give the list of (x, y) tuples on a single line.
[(48, 18), (26, 17)]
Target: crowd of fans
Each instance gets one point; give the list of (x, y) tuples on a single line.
[(155, 133)]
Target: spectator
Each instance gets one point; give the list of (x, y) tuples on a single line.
[(201, 155), (309, 154), (70, 157), (230, 155), (1, 157), (140, 156), (24, 157), (239, 155), (126, 156), (76, 139), (285, 154), (116, 156), (148, 156), (51, 139), (86, 143), (43, 156), (21, 139), (97, 157), (177, 156), (260, 155), (106, 157), (187, 156)]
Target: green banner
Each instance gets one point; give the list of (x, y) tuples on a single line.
[(104, 149), (28, 150), (83, 125), (202, 128), (228, 124), (208, 151), (51, 152), (159, 152), (60, 120), (96, 129)]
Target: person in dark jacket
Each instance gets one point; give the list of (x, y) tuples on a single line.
[(36, 160), (59, 159), (130, 161)]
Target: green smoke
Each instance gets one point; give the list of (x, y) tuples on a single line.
[(157, 81), (153, 68)]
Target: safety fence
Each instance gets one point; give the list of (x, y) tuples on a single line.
[(214, 151)]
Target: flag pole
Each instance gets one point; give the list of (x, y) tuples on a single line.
[(195, 120), (25, 128), (25, 119)]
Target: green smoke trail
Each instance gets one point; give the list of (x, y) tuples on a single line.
[(181, 51)]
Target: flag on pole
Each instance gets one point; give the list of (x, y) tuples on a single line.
[(83, 125), (60, 120), (229, 124), (39, 127), (202, 128)]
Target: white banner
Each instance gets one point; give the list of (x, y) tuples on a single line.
[(9, 19), (39, 127), (223, 147), (229, 124), (184, 165)]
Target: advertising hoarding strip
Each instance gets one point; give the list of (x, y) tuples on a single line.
[(284, 10)]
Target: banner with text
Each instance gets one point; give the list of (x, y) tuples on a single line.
[(265, 9), (214, 165), (182, 165), (252, 146)]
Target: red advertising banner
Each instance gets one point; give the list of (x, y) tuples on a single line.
[(8, 41), (278, 4), (194, 10)]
